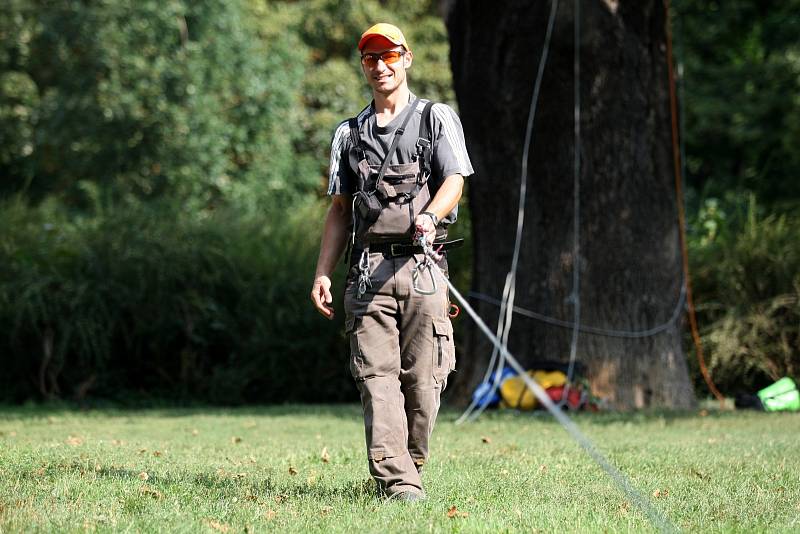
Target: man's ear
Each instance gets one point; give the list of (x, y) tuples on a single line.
[(408, 58)]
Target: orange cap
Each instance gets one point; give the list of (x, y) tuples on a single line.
[(387, 31)]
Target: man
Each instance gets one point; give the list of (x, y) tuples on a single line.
[(396, 169)]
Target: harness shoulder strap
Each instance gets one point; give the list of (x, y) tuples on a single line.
[(355, 137), (410, 108), (424, 123), (425, 141), (356, 152)]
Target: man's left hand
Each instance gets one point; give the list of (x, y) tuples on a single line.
[(425, 223)]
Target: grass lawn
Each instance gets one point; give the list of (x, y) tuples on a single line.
[(303, 469)]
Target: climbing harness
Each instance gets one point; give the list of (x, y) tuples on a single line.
[(388, 198)]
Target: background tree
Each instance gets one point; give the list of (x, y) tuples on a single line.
[(630, 255)]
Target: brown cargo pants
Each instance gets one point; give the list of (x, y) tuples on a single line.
[(401, 351)]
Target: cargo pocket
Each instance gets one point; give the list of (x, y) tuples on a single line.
[(443, 349), (356, 361)]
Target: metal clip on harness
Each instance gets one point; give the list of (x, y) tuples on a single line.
[(427, 262), (364, 281)]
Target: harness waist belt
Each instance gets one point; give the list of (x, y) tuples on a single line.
[(407, 249)]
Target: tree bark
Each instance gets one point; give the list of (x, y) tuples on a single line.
[(630, 258)]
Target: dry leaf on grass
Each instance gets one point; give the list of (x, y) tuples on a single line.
[(150, 492), (73, 441), (270, 514), (292, 470), (143, 476), (542, 468), (325, 456), (216, 525), (660, 493), (453, 512), (157, 453), (326, 510), (311, 480), (142, 451), (117, 442), (195, 432)]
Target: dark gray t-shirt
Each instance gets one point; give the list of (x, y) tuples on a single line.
[(449, 151)]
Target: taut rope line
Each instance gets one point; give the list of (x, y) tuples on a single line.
[(622, 481)]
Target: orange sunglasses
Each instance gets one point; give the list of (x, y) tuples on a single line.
[(370, 60)]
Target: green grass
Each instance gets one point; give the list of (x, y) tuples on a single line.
[(262, 469)]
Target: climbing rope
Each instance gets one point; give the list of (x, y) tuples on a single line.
[(676, 159), (622, 481), (631, 334), (506, 303), (509, 288), (575, 296)]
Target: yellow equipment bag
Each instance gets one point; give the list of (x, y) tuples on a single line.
[(515, 394)]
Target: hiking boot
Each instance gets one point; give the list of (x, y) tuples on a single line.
[(408, 496)]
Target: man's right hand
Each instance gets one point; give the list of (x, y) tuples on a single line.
[(321, 296)]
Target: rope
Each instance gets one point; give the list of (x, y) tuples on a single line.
[(622, 481), (575, 297), (509, 289), (676, 157), (635, 334)]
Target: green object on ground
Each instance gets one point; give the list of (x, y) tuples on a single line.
[(781, 396)]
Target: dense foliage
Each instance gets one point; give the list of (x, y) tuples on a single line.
[(162, 166), (157, 303), (740, 65), (747, 276), (740, 76)]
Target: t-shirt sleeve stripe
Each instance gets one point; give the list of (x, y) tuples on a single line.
[(337, 145), (455, 137)]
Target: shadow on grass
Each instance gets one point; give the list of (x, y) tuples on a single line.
[(598, 418), (210, 484), (38, 411)]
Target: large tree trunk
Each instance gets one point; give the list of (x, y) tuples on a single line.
[(630, 259)]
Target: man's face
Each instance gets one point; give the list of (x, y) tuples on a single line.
[(384, 77)]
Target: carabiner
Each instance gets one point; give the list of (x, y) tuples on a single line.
[(364, 281), (415, 274)]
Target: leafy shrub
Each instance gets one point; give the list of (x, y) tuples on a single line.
[(747, 281), (149, 300)]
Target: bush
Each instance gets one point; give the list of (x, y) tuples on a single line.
[(747, 282), (149, 300)]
